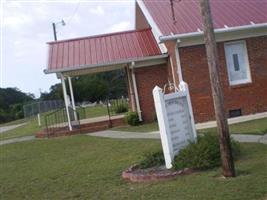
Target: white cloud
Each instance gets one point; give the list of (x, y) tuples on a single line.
[(13, 4), (97, 11), (17, 22), (122, 26)]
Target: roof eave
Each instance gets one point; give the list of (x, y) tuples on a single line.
[(221, 30), (122, 62)]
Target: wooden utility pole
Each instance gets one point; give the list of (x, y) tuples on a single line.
[(217, 92)]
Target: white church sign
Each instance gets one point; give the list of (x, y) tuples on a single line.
[(175, 119)]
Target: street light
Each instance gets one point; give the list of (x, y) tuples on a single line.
[(62, 22)]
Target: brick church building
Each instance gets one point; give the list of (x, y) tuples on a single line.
[(168, 46)]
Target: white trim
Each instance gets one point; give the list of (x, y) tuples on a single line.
[(224, 34), (116, 63), (243, 81), (155, 29), (66, 101), (136, 93), (235, 120)]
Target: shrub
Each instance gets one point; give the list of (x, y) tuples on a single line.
[(202, 155), (121, 108), (152, 160), (132, 118)]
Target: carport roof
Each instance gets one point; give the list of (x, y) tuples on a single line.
[(101, 50)]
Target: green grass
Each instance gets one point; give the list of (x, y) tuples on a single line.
[(149, 127), (96, 111), (83, 167), (30, 128), (32, 125), (254, 127), (19, 121)]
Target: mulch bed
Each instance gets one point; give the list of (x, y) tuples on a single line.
[(135, 174)]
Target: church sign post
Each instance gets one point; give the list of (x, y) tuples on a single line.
[(175, 119)]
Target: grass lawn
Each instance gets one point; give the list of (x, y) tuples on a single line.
[(32, 125), (96, 111), (30, 128), (256, 127), (19, 121), (84, 167)]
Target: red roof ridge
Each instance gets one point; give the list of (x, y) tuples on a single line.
[(99, 36)]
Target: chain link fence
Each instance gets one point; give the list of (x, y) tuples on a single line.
[(33, 109)]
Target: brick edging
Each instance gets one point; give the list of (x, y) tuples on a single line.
[(130, 175)]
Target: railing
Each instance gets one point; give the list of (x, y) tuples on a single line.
[(117, 106), (57, 121)]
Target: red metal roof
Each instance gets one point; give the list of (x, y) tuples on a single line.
[(231, 13), (101, 49)]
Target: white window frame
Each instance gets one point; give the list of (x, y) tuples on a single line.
[(243, 81)]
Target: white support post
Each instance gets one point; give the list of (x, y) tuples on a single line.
[(136, 93), (178, 62), (65, 100), (72, 99)]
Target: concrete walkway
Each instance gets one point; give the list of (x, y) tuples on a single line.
[(15, 140), (155, 135), (138, 135), (3, 129)]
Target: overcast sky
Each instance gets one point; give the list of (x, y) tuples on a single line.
[(26, 27)]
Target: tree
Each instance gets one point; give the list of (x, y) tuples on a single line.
[(11, 103)]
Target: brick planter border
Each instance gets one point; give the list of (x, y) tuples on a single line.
[(154, 176)]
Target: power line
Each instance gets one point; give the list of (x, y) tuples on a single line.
[(74, 12)]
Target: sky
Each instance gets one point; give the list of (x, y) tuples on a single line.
[(26, 26)]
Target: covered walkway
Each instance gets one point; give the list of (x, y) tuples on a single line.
[(129, 51)]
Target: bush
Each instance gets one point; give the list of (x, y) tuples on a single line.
[(204, 154), (132, 118), (152, 160), (121, 108)]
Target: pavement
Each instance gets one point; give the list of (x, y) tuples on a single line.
[(138, 135), (15, 140), (155, 135), (3, 129)]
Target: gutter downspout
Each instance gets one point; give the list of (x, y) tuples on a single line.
[(65, 100), (178, 62), (130, 85), (136, 93)]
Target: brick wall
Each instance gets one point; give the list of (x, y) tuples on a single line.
[(250, 98), (147, 78)]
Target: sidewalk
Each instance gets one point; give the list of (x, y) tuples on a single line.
[(137, 135), (15, 140), (155, 135)]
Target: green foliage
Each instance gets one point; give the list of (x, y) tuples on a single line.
[(152, 160), (132, 118), (204, 154), (92, 87), (11, 103), (120, 106)]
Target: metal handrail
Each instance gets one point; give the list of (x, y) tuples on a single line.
[(57, 121)]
